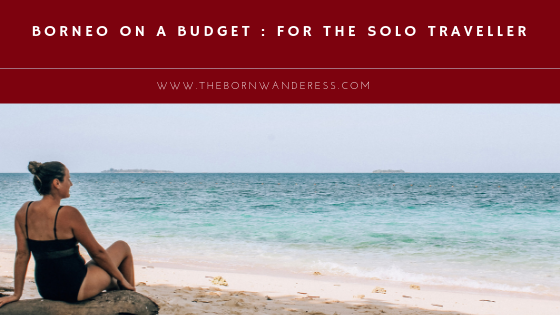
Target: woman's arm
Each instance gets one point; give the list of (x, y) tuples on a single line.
[(96, 252), (20, 264)]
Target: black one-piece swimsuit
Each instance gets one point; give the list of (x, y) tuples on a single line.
[(59, 268)]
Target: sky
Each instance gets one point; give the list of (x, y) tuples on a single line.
[(283, 138)]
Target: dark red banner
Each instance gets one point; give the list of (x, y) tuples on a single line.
[(279, 52)]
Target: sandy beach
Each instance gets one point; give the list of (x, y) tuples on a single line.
[(178, 289)]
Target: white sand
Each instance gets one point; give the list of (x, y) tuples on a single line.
[(188, 291)]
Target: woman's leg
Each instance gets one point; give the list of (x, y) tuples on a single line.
[(97, 279)]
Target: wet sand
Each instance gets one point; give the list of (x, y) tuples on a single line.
[(180, 290)]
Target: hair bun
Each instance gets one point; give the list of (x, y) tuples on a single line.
[(34, 167)]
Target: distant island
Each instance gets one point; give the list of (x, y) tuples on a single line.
[(136, 170), (388, 171)]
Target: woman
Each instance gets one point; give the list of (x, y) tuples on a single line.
[(52, 233)]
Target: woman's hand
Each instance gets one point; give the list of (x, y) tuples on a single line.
[(124, 285), (8, 299)]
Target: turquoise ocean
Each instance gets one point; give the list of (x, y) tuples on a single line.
[(489, 231)]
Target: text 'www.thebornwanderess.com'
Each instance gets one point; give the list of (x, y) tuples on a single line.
[(264, 86)]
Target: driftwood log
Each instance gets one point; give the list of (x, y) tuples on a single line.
[(120, 302)]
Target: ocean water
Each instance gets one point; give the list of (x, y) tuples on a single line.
[(491, 231)]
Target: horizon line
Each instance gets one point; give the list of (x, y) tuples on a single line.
[(172, 172)]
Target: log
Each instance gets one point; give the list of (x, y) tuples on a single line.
[(118, 302)]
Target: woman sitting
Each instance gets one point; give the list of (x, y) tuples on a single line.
[(52, 233)]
